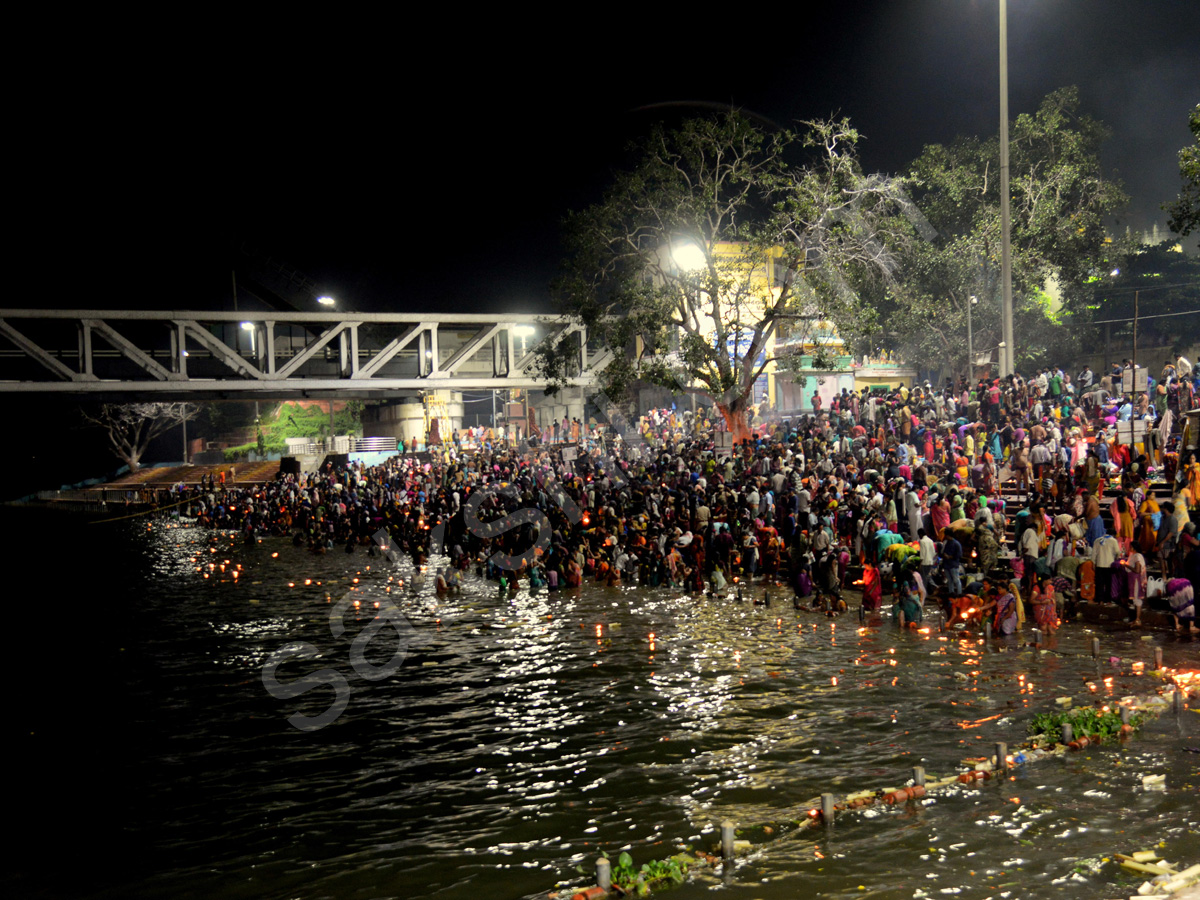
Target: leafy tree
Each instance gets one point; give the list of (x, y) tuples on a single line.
[(1185, 211), (713, 244), (132, 426), (1059, 201), (1163, 284)]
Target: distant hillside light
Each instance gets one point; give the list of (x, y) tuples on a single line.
[(688, 256)]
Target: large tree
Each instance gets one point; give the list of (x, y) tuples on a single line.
[(713, 243), (132, 426), (1059, 200), (1158, 284), (1185, 211)]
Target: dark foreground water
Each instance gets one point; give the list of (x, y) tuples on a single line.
[(522, 734)]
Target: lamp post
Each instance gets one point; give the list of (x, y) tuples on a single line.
[(971, 301), (249, 326), (524, 332), (1006, 359)]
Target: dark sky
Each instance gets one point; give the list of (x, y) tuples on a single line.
[(425, 163)]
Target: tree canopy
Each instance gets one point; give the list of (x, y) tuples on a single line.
[(1059, 201), (1185, 211), (714, 243), (1160, 283)]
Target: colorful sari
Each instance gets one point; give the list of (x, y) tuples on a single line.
[(1005, 621), (1150, 516)]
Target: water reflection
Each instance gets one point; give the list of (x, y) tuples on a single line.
[(527, 731)]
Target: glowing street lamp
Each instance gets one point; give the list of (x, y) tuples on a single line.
[(524, 332), (688, 257), (326, 301)]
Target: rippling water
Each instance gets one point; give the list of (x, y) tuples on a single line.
[(524, 733)]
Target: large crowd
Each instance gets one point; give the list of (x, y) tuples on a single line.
[(904, 485)]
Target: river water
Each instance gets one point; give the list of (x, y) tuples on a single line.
[(525, 733)]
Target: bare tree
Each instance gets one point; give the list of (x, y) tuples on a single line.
[(132, 426)]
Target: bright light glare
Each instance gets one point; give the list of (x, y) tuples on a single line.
[(523, 330), (247, 326), (326, 301), (688, 256)]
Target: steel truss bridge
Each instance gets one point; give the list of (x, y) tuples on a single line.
[(132, 354)]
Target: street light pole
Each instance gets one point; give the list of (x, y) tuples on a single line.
[(970, 341), (1006, 361)]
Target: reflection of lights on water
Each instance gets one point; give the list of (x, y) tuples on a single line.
[(1186, 682), (833, 681)]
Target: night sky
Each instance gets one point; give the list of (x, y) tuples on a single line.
[(426, 164)]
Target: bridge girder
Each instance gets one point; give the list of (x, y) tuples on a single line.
[(191, 355)]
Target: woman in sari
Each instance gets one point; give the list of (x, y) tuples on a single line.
[(1044, 607), (1136, 579), (939, 513), (1122, 514), (1151, 518), (910, 604), (989, 549), (1183, 604), (1191, 472), (1002, 610), (957, 510), (1018, 603)]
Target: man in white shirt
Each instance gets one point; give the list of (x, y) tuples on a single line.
[(928, 554), (1105, 552)]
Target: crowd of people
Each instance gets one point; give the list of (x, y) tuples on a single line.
[(906, 485)]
